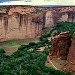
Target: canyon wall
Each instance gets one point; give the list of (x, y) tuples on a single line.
[(64, 46), (61, 44), (49, 21), (65, 13), (24, 22), (17, 22), (71, 55), (20, 26)]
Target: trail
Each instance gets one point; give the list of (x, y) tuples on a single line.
[(51, 63)]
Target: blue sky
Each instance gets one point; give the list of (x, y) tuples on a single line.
[(5, 0), (12, 0)]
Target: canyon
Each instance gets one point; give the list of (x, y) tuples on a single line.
[(20, 22)]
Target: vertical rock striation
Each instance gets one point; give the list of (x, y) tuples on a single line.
[(71, 55), (20, 26), (61, 44), (5, 19)]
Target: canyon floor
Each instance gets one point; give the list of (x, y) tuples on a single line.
[(12, 46)]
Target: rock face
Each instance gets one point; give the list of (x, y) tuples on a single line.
[(18, 22), (61, 44), (21, 23), (71, 55), (65, 14), (20, 26), (70, 65), (49, 21)]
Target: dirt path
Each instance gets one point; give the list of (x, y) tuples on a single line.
[(51, 63)]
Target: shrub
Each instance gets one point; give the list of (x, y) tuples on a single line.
[(68, 73), (58, 72), (23, 47), (2, 50), (32, 43)]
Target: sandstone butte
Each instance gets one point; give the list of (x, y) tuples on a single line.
[(64, 44), (61, 44), (71, 54)]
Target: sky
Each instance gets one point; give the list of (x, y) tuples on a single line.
[(5, 0), (37, 2)]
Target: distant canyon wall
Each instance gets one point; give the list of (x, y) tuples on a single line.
[(19, 26), (21, 23)]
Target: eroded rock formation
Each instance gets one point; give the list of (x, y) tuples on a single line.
[(61, 44), (70, 64), (20, 25), (71, 55), (29, 22)]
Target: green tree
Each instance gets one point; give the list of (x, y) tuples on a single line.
[(68, 73)]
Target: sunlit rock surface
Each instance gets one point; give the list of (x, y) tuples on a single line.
[(19, 22)]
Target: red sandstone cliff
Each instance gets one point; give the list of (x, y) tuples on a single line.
[(61, 44), (71, 55), (70, 66)]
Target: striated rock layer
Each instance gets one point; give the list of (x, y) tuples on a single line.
[(19, 22), (70, 64), (61, 44), (20, 26), (71, 55)]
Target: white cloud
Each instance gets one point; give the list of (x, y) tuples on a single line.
[(39, 2), (28, 3)]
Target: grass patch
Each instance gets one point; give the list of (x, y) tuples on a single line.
[(12, 46)]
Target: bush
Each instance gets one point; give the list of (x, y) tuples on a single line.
[(68, 73), (32, 43), (23, 47), (2, 50), (58, 72)]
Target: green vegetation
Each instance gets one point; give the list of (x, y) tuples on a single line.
[(12, 45), (65, 26), (2, 50), (26, 62), (1, 14), (61, 27)]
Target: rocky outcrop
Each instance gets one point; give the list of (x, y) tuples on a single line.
[(61, 44), (70, 64), (71, 55)]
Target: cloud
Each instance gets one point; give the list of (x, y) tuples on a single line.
[(38, 2), (27, 3)]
